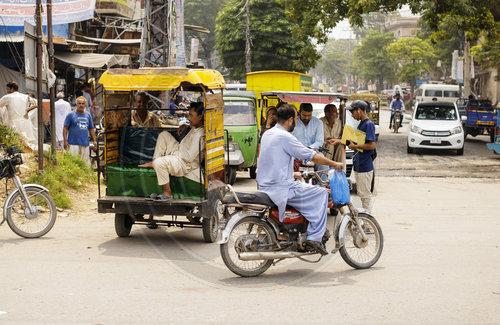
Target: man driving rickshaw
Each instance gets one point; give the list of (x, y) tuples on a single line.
[(176, 160)]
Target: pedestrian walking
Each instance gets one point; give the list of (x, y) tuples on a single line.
[(61, 109), (77, 127)]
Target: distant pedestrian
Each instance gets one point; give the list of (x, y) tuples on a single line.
[(363, 161), (77, 126), (397, 104), (14, 116), (61, 109)]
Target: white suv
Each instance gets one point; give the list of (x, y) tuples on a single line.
[(436, 125)]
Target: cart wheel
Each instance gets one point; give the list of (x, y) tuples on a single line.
[(215, 213), (123, 224)]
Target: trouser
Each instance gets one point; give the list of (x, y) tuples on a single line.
[(82, 151), (400, 119), (311, 202), (364, 185), (169, 164)]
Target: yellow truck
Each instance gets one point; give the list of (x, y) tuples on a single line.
[(275, 80)]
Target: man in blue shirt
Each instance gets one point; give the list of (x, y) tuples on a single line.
[(397, 105), (77, 126), (309, 129), (275, 176), (363, 161)]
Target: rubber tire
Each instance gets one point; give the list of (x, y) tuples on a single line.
[(460, 152), (409, 150), (231, 174), (354, 264), (253, 172), (492, 136), (372, 187), (123, 224), (210, 224), (224, 251), (395, 127), (50, 224), (333, 212)]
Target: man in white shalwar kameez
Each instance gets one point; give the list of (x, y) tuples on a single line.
[(178, 159), (61, 109), (17, 104), (276, 178)]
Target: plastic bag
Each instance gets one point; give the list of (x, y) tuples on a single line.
[(339, 187)]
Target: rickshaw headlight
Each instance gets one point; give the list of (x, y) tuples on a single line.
[(233, 146)]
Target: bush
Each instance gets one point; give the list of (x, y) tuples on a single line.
[(10, 137), (63, 172)]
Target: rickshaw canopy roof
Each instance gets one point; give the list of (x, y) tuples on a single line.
[(364, 96), (304, 97), (159, 78)]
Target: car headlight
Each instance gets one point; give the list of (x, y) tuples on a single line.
[(416, 129), (456, 130)]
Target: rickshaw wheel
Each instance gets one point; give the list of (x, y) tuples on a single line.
[(123, 224), (215, 213)]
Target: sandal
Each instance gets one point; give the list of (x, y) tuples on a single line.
[(152, 196), (163, 197)]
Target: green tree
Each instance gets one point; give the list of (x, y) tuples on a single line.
[(202, 13), (371, 21), (372, 60), (272, 44), (334, 63), (315, 18), (414, 58)]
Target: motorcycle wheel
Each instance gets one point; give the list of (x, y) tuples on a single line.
[(36, 225), (244, 232), (361, 254), (396, 127)]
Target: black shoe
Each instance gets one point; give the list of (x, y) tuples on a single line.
[(326, 236), (317, 246), (390, 127)]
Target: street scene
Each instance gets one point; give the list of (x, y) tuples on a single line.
[(249, 162)]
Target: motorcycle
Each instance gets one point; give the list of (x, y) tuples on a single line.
[(29, 210), (397, 121), (253, 238)]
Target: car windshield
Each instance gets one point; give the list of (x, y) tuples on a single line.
[(239, 113), (451, 93), (435, 112), (433, 93)]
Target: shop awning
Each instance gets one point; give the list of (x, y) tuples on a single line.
[(93, 60), (131, 41)]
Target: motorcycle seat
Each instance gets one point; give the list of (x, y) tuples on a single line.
[(249, 197)]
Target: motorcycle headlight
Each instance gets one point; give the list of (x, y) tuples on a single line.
[(456, 130), (416, 129)]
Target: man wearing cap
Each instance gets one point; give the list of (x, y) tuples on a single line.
[(61, 109), (363, 161), (77, 126)]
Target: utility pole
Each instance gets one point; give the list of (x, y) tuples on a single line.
[(53, 88), (248, 62), (39, 79)]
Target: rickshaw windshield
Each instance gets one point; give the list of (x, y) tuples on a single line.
[(239, 113)]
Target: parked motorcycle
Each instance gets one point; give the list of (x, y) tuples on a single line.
[(29, 210), (253, 238), (397, 121)]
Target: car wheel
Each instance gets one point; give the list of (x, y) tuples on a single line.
[(460, 151), (408, 149)]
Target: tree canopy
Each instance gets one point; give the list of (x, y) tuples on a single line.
[(202, 13), (413, 56), (372, 59), (272, 44)]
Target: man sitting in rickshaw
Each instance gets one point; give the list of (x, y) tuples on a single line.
[(178, 159), (142, 117)]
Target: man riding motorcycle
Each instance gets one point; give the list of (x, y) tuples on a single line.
[(396, 105), (275, 176)]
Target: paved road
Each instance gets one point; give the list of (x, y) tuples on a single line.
[(393, 160)]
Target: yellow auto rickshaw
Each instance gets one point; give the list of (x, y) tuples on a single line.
[(194, 203), (373, 112)]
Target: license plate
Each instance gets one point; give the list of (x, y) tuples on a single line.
[(436, 141)]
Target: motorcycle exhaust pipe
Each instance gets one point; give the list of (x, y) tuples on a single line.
[(256, 256)]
